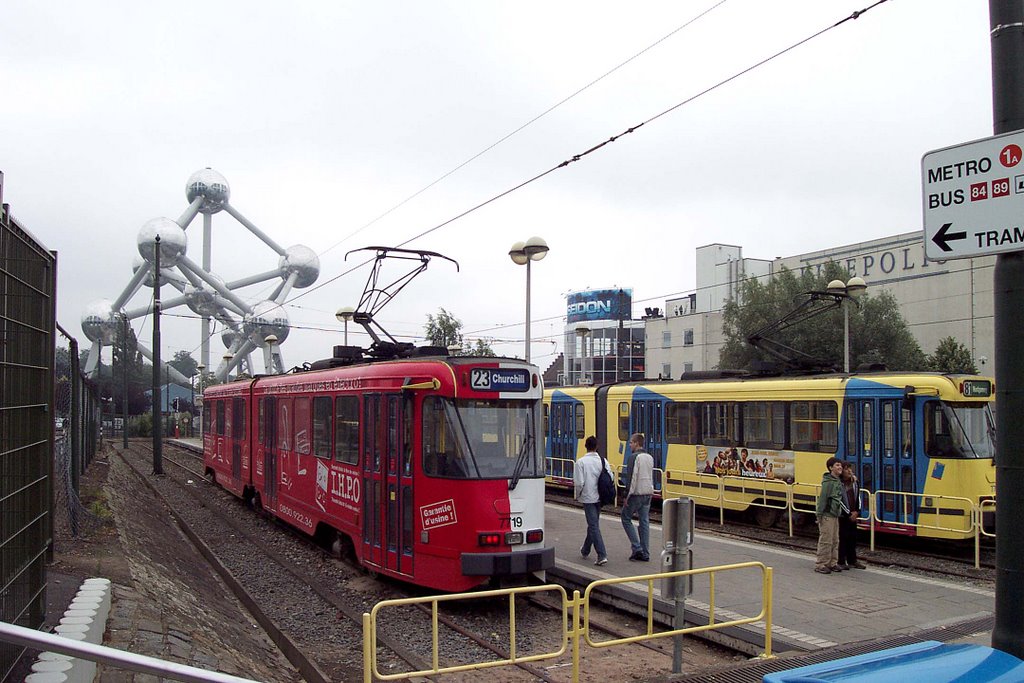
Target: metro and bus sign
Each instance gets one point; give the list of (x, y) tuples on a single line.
[(974, 198)]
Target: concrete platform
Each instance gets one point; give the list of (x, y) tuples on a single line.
[(810, 611)]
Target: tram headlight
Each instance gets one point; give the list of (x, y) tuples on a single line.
[(514, 537)]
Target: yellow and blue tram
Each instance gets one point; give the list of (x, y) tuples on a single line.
[(922, 444)]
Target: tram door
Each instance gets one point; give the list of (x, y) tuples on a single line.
[(567, 425), (646, 417), (387, 483), (270, 453), (880, 439)]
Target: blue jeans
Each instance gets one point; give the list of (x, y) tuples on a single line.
[(592, 511), (641, 506)]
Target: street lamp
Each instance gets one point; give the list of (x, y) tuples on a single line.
[(344, 314), (521, 253), (270, 339), (851, 290), (202, 376)]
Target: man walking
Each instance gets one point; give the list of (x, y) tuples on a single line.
[(638, 500), (585, 474), (830, 507)]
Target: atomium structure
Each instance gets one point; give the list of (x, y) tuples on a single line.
[(263, 326)]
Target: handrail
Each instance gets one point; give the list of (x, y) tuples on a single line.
[(47, 642)]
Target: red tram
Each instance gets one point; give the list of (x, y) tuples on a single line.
[(428, 470)]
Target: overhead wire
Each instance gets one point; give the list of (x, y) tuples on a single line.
[(577, 157)]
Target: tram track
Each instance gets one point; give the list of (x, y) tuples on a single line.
[(476, 626)]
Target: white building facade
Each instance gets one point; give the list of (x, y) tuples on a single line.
[(938, 299)]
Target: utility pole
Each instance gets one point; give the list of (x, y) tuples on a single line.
[(158, 443), (124, 382), (1007, 36)]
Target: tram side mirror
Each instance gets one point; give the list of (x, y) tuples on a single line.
[(908, 397)]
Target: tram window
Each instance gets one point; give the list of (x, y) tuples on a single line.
[(407, 411), (623, 421), (407, 520), (764, 424), (301, 425), (547, 419), (888, 430), (284, 424), (346, 429), (940, 434), (721, 423), (207, 409), (851, 429), (907, 420), (580, 421), (393, 442), (682, 424), (868, 428), (867, 477), (442, 453), (237, 418), (814, 426), (323, 414), (906, 478), (220, 418), (261, 411)]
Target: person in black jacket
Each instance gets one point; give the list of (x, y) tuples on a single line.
[(848, 522)]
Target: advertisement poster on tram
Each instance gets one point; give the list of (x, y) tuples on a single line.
[(741, 461)]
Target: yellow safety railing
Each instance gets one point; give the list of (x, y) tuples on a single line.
[(370, 624), (694, 485), (764, 615), (575, 632)]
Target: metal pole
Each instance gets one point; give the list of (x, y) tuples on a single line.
[(124, 382), (346, 331), (846, 336), (158, 443), (528, 308), (1007, 37)]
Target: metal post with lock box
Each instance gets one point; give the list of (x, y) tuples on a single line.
[(678, 517)]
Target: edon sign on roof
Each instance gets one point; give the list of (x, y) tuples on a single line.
[(974, 198)]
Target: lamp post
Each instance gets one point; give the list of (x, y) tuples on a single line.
[(521, 253), (191, 403), (344, 314), (202, 374), (227, 365), (270, 339), (850, 290)]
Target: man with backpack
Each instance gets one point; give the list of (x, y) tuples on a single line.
[(586, 474)]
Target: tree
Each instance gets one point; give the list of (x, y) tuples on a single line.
[(481, 347), (444, 329), (184, 363), (878, 332), (951, 357)]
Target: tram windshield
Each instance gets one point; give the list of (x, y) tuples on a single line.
[(959, 430), (480, 439)]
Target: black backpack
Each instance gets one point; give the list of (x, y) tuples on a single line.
[(605, 485)]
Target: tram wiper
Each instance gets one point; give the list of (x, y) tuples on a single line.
[(524, 452)]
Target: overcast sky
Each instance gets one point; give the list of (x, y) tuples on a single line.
[(324, 116)]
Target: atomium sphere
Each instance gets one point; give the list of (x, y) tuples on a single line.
[(99, 323), (232, 339), (210, 185), (266, 318), (303, 261), (166, 274), (203, 300), (173, 242)]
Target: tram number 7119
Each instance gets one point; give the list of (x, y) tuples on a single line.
[(512, 522)]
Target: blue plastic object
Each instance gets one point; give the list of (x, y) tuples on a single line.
[(930, 661)]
